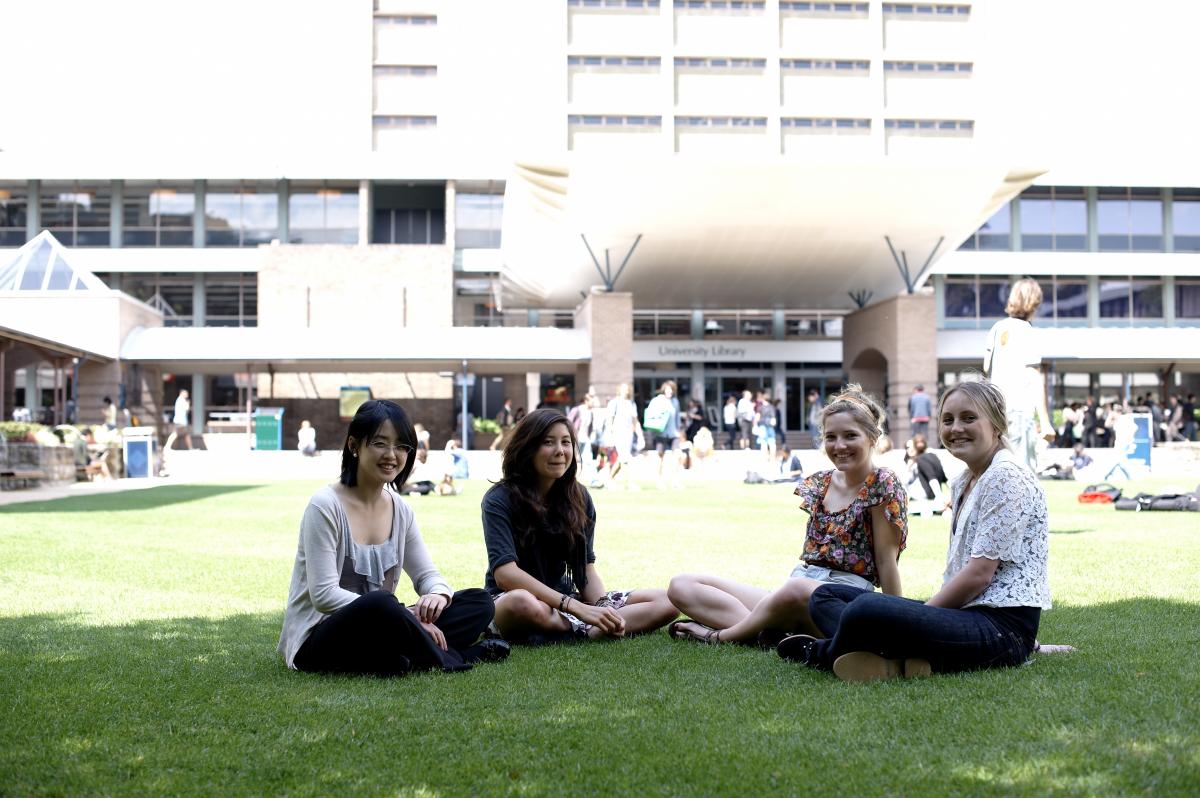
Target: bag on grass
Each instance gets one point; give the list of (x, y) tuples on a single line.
[(1161, 501), (1103, 493)]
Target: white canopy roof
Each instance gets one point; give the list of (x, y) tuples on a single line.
[(745, 233)]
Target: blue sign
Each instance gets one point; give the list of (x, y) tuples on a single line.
[(1139, 448)]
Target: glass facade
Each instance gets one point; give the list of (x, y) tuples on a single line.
[(1129, 220), (1187, 299), (323, 213), (158, 214), (1128, 301), (77, 214), (242, 214), (477, 220), (995, 233), (1054, 219), (1185, 220), (14, 199)]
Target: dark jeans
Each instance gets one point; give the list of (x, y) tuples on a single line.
[(376, 635), (901, 628)]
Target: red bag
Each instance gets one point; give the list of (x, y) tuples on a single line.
[(1103, 493)]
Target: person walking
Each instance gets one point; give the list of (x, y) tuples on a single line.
[(815, 406), (920, 408), (505, 420), (729, 420)]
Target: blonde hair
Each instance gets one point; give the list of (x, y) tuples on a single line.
[(988, 399), (1024, 299), (864, 411)]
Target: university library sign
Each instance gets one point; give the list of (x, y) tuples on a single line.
[(737, 351)]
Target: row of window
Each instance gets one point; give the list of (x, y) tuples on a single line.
[(230, 300), (244, 214), (924, 126), (1056, 218), (395, 120), (930, 126), (601, 63), (839, 123), (979, 300), (721, 121), (853, 10), (592, 120), (414, 70), (406, 19)]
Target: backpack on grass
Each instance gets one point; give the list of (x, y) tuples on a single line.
[(1103, 493), (1161, 501)]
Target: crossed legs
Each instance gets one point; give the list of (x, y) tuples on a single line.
[(740, 611), (519, 614)]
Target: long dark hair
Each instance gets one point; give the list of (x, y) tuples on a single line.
[(364, 425), (564, 509)]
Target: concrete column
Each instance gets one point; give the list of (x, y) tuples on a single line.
[(198, 221), (532, 317), (33, 397), (1014, 225), (199, 301), (199, 397), (282, 210), (1168, 204), (1093, 300), (1093, 227), (779, 390), (451, 223), (33, 211), (698, 382), (608, 320), (779, 324), (698, 325), (533, 390), (116, 214), (939, 298), (1168, 298), (364, 212)]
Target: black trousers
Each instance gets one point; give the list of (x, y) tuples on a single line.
[(375, 635)]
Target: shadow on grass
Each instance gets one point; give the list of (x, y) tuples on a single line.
[(139, 499), (162, 706)]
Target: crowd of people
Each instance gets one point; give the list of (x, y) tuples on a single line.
[(542, 584)]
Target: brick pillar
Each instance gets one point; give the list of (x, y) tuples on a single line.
[(608, 318), (890, 348)]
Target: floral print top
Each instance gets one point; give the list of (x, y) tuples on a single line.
[(843, 541)]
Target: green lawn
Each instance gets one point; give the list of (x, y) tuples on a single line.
[(137, 656)]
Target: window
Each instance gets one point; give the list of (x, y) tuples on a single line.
[(960, 299), (721, 121), (821, 125), (958, 128), (323, 213), (1185, 218), (1130, 300), (926, 11), (405, 19), (814, 66), (718, 64), (242, 214), (596, 120), (477, 220), (1187, 298), (231, 300), (736, 6), (14, 199), (995, 232), (411, 70), (409, 213), (616, 4), (158, 215), (1053, 218), (1129, 219), (415, 122), (839, 10), (1069, 298), (77, 214), (614, 63), (930, 69)]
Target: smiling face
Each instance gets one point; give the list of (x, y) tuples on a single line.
[(967, 433), (553, 456), (846, 443), (381, 456)]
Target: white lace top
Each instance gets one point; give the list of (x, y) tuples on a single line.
[(1003, 519)]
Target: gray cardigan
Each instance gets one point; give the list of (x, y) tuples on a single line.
[(316, 590)]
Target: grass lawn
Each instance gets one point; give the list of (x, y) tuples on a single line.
[(137, 656)]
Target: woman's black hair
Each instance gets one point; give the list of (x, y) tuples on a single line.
[(563, 511), (364, 425)]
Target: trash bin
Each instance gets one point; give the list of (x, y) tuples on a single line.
[(139, 445), (268, 429)]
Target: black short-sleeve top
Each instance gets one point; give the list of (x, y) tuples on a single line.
[(543, 556)]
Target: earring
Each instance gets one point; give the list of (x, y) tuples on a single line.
[(354, 454)]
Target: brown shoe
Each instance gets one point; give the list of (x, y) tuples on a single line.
[(863, 666)]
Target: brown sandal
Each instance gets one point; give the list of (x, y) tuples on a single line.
[(711, 636)]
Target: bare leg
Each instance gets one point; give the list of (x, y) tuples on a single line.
[(715, 602), (785, 609), (520, 613), (646, 610)]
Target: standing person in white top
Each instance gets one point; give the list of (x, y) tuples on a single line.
[(306, 439), (729, 420), (621, 429), (1013, 363), (745, 416), (180, 421)]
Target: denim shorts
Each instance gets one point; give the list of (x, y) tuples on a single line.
[(822, 574)]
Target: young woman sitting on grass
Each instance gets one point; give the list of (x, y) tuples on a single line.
[(342, 612), (994, 589), (538, 524), (857, 527)]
